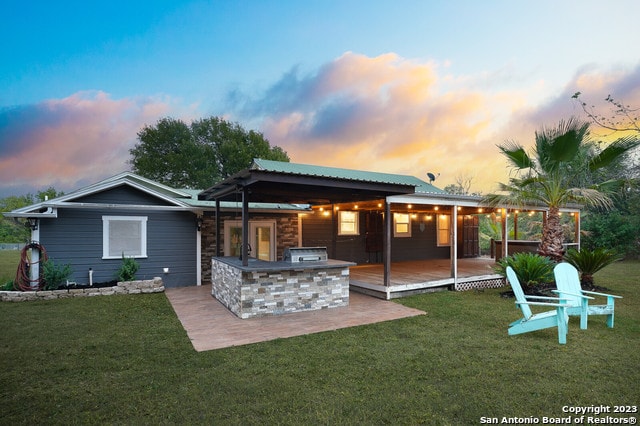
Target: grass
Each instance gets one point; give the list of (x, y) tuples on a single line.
[(127, 360), (9, 260)]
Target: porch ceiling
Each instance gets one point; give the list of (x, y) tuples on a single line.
[(269, 186)]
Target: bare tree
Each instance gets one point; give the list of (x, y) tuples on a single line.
[(621, 118), (462, 185)]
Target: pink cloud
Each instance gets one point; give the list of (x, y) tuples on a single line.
[(395, 115), (81, 138), (387, 114)]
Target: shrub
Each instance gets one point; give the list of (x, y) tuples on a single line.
[(531, 268), (588, 262), (612, 230), (128, 269), (8, 286), (54, 275)]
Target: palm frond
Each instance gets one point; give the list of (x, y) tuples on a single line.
[(613, 152), (589, 196), (610, 186), (589, 262), (516, 155), (560, 144), (516, 194)]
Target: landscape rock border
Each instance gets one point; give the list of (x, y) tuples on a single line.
[(154, 285)]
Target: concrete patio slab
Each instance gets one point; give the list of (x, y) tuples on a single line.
[(210, 325)]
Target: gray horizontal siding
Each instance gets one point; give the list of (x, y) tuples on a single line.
[(75, 237), (122, 195), (317, 231)]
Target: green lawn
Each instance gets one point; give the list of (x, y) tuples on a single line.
[(9, 260), (127, 360)]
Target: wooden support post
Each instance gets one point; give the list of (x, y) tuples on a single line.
[(454, 243), (505, 233), (388, 224), (245, 227), (218, 251)]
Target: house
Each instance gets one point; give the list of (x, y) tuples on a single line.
[(402, 235), (93, 227)]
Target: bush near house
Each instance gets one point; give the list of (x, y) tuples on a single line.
[(128, 269), (54, 275), (588, 262), (532, 269)]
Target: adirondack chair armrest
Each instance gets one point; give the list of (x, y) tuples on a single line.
[(540, 297), (557, 305), (572, 294), (601, 294)]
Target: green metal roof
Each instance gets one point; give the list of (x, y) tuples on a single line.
[(346, 174), (206, 204)]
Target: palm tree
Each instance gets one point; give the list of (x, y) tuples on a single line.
[(562, 169)]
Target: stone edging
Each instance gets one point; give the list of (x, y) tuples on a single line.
[(127, 287)]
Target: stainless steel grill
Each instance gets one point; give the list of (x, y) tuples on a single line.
[(305, 254)]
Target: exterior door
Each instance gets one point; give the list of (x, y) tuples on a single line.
[(262, 237), (469, 238), (374, 223)]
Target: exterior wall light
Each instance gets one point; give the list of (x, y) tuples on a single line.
[(32, 222)]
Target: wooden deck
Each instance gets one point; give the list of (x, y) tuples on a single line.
[(412, 277)]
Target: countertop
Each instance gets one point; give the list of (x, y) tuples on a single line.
[(263, 265)]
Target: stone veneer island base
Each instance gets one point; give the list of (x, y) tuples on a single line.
[(273, 288)]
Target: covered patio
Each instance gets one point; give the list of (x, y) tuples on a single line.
[(422, 276)]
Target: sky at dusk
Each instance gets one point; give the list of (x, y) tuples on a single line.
[(392, 86)]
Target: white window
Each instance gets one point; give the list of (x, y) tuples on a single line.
[(401, 225), (444, 229), (124, 236), (348, 223)]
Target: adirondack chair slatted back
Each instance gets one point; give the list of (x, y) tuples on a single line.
[(568, 283), (568, 276), (517, 291)]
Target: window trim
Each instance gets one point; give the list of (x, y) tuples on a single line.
[(106, 221), (355, 222), (398, 233)]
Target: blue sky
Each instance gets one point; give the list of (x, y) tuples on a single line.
[(393, 86)]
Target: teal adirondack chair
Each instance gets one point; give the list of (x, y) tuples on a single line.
[(532, 322), (568, 284)]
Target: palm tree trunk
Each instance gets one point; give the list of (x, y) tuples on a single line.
[(552, 236), (586, 281)]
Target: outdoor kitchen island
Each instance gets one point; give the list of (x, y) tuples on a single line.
[(278, 287)]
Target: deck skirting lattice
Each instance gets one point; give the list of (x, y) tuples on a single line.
[(480, 284)]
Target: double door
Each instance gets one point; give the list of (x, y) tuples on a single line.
[(262, 239)]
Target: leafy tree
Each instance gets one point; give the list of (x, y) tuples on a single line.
[(14, 231), (199, 154), (619, 229), (562, 169)]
